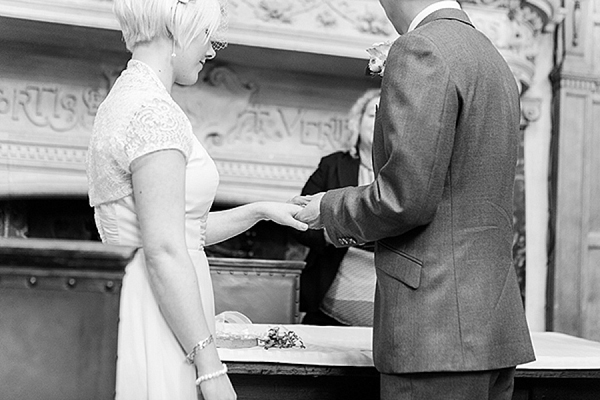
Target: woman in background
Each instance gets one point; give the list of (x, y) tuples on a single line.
[(337, 285), (152, 184)]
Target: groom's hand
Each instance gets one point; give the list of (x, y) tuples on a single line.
[(311, 213)]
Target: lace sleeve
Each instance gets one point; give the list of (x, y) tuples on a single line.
[(158, 125)]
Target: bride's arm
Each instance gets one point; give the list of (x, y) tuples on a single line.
[(222, 225), (159, 194)]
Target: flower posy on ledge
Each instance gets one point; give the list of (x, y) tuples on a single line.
[(378, 53)]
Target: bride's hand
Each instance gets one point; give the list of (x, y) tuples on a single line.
[(284, 214), (218, 388)]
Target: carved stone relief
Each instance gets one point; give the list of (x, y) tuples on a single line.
[(513, 26), (46, 127), (224, 114), (338, 27), (324, 15)]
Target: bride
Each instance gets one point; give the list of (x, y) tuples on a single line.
[(152, 184)]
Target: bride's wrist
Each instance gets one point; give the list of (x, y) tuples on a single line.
[(262, 211), (207, 361)]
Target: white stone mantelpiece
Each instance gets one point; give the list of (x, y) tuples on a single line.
[(266, 109), (265, 128)]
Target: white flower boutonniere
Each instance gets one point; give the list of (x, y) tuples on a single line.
[(378, 54)]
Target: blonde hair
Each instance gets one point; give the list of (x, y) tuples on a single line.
[(180, 20), (355, 117)]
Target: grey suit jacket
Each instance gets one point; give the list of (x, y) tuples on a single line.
[(440, 209)]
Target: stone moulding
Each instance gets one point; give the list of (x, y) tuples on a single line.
[(333, 27)]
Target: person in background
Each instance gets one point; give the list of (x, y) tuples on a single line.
[(337, 285), (152, 184), (449, 321)]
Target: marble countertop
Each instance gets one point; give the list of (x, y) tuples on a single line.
[(351, 346)]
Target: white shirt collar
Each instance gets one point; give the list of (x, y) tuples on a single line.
[(430, 9)]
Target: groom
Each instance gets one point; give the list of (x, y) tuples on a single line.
[(449, 321)]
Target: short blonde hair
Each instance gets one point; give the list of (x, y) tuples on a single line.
[(182, 20), (355, 117)]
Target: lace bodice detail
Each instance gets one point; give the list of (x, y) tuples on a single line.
[(137, 117)]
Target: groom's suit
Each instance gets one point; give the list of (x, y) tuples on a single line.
[(440, 209)]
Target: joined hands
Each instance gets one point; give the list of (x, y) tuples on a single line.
[(310, 213)]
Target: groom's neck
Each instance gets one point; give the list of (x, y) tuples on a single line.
[(402, 12)]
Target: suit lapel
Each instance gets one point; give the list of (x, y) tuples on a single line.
[(447, 13)]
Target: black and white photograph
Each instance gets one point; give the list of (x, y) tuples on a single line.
[(299, 199)]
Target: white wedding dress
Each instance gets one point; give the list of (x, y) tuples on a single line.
[(139, 117)]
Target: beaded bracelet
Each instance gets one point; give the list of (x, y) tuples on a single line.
[(199, 346), (212, 375)]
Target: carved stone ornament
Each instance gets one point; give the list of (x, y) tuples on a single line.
[(530, 110), (308, 15), (262, 151), (514, 26), (336, 27)]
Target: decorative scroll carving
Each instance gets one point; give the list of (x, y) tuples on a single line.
[(514, 26), (365, 17), (530, 110), (488, 3), (223, 114)]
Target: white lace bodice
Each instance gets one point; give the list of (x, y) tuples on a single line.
[(137, 117)]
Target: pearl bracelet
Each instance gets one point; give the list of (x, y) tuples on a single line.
[(199, 346), (212, 375)]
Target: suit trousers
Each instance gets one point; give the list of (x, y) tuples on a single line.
[(470, 385)]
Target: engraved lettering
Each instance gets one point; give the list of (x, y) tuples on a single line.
[(5, 103)]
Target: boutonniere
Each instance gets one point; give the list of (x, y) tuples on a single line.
[(377, 55)]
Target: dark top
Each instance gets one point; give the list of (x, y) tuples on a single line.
[(335, 171)]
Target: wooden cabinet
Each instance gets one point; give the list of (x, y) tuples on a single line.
[(59, 310), (266, 291)]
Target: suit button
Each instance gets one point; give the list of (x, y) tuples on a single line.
[(352, 241)]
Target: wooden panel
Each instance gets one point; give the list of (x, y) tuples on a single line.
[(566, 303), (591, 228), (59, 308), (593, 171), (58, 336), (575, 274), (266, 291)]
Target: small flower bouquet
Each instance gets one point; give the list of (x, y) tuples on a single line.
[(281, 338), (378, 54)]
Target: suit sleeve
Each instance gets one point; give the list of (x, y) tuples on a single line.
[(414, 134)]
